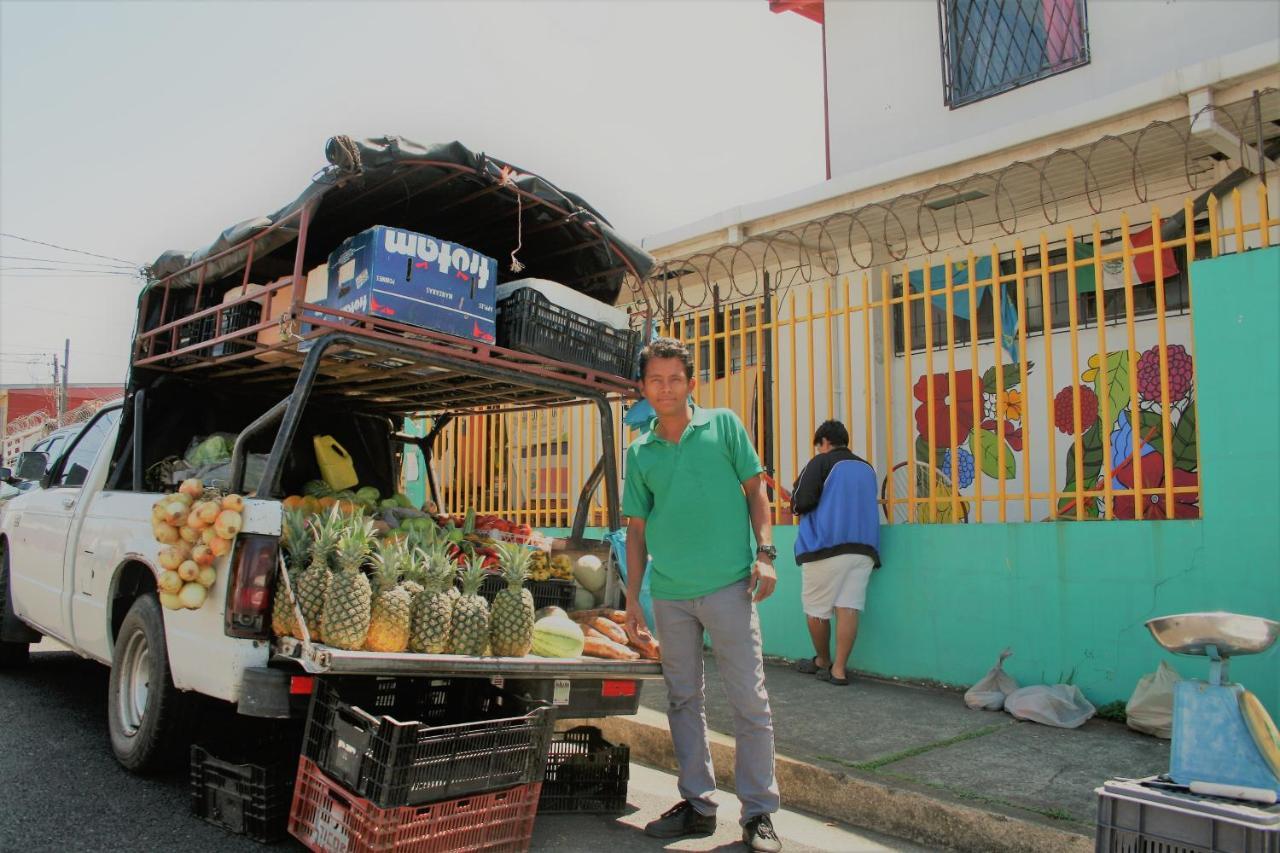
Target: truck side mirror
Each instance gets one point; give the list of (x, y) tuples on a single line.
[(5, 475), (32, 465)]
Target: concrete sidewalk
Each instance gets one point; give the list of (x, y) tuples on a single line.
[(914, 762)]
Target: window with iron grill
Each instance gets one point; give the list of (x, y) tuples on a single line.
[(1177, 298), (992, 46)]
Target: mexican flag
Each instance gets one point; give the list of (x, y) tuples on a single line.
[(1144, 265)]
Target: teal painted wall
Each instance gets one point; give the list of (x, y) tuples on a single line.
[(1071, 597)]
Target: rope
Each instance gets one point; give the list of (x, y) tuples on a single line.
[(508, 180)]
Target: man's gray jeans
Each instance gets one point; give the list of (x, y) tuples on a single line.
[(729, 616)]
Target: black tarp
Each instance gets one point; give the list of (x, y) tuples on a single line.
[(445, 190)]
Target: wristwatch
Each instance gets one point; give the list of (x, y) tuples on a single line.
[(767, 551)]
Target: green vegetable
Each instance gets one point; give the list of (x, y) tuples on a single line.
[(368, 493), (213, 449)]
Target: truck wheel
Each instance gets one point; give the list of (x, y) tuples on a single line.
[(145, 712), (12, 655)]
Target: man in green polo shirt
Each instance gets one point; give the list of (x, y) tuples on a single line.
[(693, 495)]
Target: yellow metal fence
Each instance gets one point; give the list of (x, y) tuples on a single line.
[(1051, 378)]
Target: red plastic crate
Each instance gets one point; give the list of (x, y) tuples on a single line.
[(326, 817)]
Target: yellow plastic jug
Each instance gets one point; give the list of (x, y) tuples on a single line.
[(335, 463)]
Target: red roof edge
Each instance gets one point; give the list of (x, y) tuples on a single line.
[(811, 9)]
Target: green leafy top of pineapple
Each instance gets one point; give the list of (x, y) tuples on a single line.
[(355, 542), (514, 559), (440, 566), (473, 573), (325, 531), (296, 537), (392, 559)]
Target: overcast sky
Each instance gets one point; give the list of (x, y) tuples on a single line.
[(131, 128)]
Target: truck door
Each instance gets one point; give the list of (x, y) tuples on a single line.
[(38, 563)]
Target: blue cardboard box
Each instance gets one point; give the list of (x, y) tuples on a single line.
[(415, 279)]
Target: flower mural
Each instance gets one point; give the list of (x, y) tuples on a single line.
[(977, 450), (1141, 449)]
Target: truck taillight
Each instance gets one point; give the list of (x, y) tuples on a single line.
[(253, 568)]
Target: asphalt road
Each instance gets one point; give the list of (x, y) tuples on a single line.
[(63, 791)]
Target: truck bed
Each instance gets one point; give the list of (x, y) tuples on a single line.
[(320, 659)]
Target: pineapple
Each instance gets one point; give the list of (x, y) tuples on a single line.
[(297, 542), (511, 622), (313, 584), (347, 607), (432, 619), (471, 613), (389, 615)]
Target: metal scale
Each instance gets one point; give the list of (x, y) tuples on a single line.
[(1224, 742)]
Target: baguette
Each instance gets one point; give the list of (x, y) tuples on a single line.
[(612, 630), (647, 646), (609, 613), (599, 647)]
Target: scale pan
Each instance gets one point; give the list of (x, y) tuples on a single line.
[(1233, 633)]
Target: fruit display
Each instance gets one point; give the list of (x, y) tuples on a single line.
[(386, 580), (194, 528)]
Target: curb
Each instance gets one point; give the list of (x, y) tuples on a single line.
[(912, 813)]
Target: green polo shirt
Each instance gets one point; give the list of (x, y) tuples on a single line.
[(697, 525)]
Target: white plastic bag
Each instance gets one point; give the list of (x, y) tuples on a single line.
[(1061, 705), (1150, 708), (990, 691)]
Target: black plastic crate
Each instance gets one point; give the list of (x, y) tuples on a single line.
[(530, 322), (585, 774), (250, 798), (582, 698), (548, 593), (405, 742)]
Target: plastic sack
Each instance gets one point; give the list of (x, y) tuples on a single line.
[(1150, 708), (990, 691), (1061, 705)]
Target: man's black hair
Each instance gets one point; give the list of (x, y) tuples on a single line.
[(832, 431), (666, 348)]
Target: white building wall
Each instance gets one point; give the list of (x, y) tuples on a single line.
[(885, 89)]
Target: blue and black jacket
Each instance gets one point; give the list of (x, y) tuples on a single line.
[(835, 497)]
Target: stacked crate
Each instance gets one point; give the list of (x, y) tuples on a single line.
[(464, 773)]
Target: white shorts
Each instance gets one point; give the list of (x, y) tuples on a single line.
[(839, 581)]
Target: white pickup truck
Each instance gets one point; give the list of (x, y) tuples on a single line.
[(78, 561), (78, 565)]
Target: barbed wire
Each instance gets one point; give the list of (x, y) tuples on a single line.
[(1106, 174)]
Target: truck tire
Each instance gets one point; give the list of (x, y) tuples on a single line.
[(146, 714), (12, 654)]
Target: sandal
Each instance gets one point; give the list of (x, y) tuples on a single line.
[(825, 675), (809, 666)]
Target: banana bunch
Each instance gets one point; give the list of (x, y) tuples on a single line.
[(543, 567)]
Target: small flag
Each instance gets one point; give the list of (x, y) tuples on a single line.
[(959, 276), (1009, 326), (1144, 265)]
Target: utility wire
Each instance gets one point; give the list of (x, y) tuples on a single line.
[(65, 249), (66, 261), (70, 269)]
